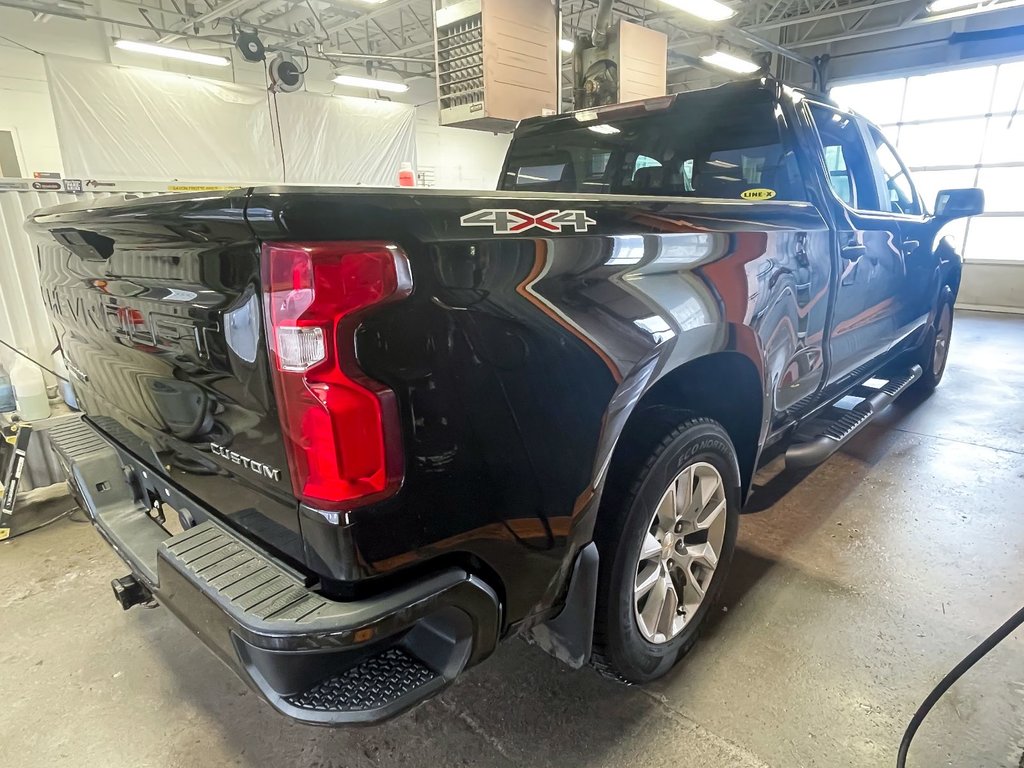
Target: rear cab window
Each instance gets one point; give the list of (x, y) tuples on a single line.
[(706, 144)]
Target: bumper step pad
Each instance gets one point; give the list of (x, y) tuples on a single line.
[(371, 684), (247, 580)]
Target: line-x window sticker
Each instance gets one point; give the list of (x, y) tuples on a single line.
[(504, 221)]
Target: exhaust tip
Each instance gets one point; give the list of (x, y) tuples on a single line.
[(129, 591)]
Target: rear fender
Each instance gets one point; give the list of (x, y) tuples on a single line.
[(727, 362)]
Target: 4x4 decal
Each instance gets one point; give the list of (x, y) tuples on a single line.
[(504, 221)]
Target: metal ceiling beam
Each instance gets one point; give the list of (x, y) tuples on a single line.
[(378, 57), (700, 30), (67, 13), (355, 21), (334, 26), (212, 15), (768, 45), (818, 12), (830, 14), (905, 24)]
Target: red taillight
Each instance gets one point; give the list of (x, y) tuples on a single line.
[(341, 429)]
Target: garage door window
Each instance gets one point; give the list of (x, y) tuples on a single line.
[(960, 128)]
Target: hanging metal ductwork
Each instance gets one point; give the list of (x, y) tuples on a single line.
[(618, 62)]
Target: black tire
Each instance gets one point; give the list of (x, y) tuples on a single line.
[(933, 358), (621, 650)]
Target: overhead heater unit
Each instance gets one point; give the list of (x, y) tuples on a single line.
[(497, 62), (626, 62)]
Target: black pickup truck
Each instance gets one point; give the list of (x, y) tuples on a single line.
[(397, 426)]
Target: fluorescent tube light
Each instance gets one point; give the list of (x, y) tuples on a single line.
[(605, 129), (171, 53), (371, 83), (732, 63), (709, 10)]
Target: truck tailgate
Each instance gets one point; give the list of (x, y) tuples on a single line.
[(156, 306)]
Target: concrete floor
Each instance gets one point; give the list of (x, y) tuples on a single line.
[(852, 593)]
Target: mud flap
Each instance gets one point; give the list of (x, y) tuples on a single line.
[(569, 636)]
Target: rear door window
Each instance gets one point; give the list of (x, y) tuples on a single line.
[(543, 176), (644, 162), (847, 163)]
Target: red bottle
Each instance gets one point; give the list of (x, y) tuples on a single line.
[(406, 176)]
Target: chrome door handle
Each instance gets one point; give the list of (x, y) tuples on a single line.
[(853, 251)]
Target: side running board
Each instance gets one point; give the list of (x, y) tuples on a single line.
[(826, 434)]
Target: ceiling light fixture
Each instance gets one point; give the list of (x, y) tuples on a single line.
[(372, 83), (709, 10), (605, 129), (728, 61), (567, 46), (171, 53)]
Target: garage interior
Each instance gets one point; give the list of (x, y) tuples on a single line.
[(855, 587)]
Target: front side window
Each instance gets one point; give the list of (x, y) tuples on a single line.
[(707, 144), (847, 163), (902, 195)]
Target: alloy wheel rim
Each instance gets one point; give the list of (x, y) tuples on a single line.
[(943, 331), (680, 553)]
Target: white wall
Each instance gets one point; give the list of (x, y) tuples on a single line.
[(459, 158), (992, 285), (25, 110)]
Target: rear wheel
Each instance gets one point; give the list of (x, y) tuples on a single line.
[(935, 352), (665, 552)]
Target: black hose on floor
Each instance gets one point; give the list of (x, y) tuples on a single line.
[(65, 514), (955, 674)]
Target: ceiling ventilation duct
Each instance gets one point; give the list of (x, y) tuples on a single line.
[(497, 62), (619, 62)]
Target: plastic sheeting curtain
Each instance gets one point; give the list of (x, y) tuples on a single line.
[(122, 123)]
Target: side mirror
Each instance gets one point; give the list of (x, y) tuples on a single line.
[(959, 203)]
